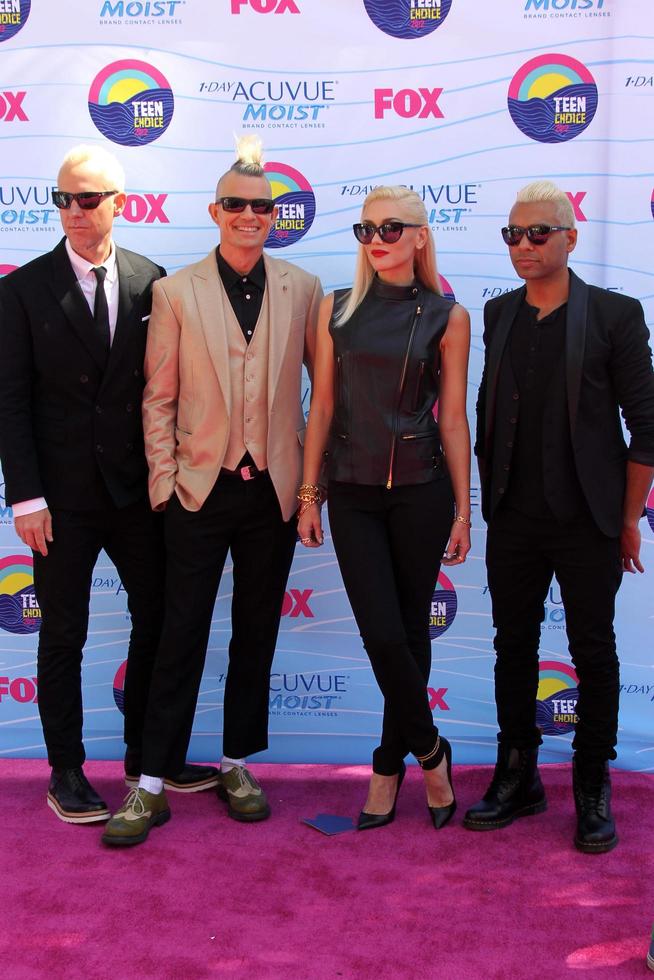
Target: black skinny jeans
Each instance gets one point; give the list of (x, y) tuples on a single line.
[(522, 555), (389, 544)]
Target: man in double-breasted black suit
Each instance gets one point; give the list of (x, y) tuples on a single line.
[(73, 327), (562, 494)]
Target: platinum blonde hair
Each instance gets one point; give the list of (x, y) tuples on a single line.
[(249, 160), (424, 262), (544, 191), (99, 158)]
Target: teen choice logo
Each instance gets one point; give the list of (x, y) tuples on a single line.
[(13, 17), (448, 292), (119, 687), (443, 607), (650, 510), (19, 610), (6, 269), (131, 102), (552, 98), (296, 205), (556, 702), (407, 18)]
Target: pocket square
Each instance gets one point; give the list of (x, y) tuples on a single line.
[(144, 318)]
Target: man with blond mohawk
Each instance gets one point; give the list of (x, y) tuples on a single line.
[(224, 429), (562, 494)]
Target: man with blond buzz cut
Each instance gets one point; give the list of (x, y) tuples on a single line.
[(562, 494), (224, 429), (73, 325)]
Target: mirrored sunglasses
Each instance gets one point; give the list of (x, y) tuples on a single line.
[(259, 205), (389, 231), (536, 234), (87, 200)]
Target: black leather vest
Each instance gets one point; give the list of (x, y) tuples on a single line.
[(387, 360)]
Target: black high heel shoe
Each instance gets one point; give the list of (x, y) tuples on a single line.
[(368, 821), (440, 815)]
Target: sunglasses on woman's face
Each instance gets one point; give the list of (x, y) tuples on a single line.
[(235, 205), (389, 231), (536, 234), (87, 200)]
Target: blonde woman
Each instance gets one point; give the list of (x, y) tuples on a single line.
[(399, 499)]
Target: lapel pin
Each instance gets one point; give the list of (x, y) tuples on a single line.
[(283, 289)]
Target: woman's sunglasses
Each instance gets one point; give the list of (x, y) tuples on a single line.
[(259, 205), (389, 232), (536, 234), (87, 200)]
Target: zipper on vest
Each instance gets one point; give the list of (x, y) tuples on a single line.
[(400, 392)]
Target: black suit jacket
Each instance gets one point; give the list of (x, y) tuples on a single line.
[(608, 369), (66, 425)]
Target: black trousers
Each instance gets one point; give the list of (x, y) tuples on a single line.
[(522, 556), (389, 544), (244, 517), (133, 538)]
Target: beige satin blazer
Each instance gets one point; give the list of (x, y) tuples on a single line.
[(186, 402)]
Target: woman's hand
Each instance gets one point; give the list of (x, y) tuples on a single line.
[(458, 546), (309, 527)]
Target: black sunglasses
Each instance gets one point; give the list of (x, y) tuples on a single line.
[(536, 234), (87, 200), (389, 232), (259, 205)]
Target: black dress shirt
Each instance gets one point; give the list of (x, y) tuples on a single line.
[(536, 351), (245, 292)]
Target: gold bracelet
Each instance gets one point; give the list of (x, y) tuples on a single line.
[(310, 493), (462, 520)]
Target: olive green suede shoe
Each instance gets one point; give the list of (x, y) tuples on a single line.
[(244, 797), (140, 811)]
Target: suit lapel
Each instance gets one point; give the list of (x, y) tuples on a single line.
[(76, 310), (496, 350), (209, 297), (280, 307), (575, 342)]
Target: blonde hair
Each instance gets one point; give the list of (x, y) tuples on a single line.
[(424, 262), (544, 191), (105, 162), (249, 160)]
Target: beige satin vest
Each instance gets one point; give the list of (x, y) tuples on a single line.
[(248, 370)]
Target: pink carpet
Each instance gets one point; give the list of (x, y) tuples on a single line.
[(208, 897)]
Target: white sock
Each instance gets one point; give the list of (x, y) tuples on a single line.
[(151, 784), (226, 763)]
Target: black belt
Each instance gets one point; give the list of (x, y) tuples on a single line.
[(243, 473)]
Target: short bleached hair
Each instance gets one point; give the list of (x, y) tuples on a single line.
[(106, 164), (545, 191), (249, 160)]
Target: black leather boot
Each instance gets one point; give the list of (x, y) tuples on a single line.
[(515, 791), (591, 784)]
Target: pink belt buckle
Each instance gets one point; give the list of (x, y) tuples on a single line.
[(246, 473)]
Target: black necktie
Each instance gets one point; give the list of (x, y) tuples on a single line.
[(101, 309)]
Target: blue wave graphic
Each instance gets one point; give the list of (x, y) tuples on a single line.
[(545, 713), (274, 69), (11, 614), (116, 120), (448, 596), (392, 17), (536, 117), (119, 698), (281, 237)]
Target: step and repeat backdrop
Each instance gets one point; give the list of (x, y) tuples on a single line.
[(463, 101)]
